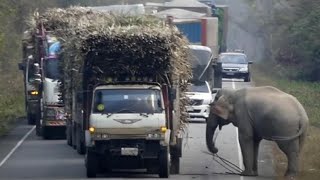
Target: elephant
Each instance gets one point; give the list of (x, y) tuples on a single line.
[(263, 112)]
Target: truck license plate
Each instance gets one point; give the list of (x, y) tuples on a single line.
[(190, 109), (129, 151)]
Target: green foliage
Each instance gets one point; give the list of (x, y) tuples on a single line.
[(12, 18), (297, 40)]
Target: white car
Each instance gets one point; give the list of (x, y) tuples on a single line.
[(200, 96)]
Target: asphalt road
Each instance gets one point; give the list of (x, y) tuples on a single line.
[(23, 155)]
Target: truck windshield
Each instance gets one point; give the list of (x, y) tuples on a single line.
[(201, 88), (51, 68), (127, 101), (233, 59), (199, 60), (200, 57)]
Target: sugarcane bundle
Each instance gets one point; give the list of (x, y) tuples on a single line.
[(117, 45)]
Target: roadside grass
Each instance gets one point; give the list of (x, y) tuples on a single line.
[(11, 101), (308, 94)]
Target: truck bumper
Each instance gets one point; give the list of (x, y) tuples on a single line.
[(226, 74), (128, 154)]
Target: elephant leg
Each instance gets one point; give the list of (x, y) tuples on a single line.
[(247, 149), (302, 140), (291, 150), (256, 154)]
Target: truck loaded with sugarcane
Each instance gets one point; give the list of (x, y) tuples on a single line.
[(123, 83), (40, 66)]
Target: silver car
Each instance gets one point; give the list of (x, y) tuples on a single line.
[(235, 65)]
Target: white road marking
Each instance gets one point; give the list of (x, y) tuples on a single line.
[(237, 132), (17, 146)]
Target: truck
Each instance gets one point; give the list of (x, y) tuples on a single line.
[(206, 29), (201, 30), (123, 89), (31, 90), (41, 71)]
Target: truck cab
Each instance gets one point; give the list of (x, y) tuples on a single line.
[(128, 127)]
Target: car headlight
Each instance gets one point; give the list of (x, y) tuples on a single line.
[(245, 69)]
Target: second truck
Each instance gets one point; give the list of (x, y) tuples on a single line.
[(41, 72)]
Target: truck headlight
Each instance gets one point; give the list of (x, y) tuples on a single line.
[(34, 92), (245, 69)]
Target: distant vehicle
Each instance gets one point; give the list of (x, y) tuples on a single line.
[(235, 65), (200, 96)]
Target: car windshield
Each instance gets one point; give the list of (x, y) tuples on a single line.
[(52, 68), (233, 59), (127, 101), (202, 88)]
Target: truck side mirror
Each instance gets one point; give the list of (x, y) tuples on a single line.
[(79, 96), (36, 68), (37, 79), (214, 90), (21, 66), (173, 93)]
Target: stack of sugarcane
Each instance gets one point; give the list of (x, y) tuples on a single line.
[(117, 45)]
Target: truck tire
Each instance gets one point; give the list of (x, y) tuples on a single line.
[(175, 165), (74, 136), (45, 133), (31, 118), (247, 78), (91, 164), (38, 128), (80, 144), (69, 135), (164, 163)]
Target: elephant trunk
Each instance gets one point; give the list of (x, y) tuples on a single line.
[(210, 130)]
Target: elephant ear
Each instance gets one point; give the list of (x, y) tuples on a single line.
[(220, 108)]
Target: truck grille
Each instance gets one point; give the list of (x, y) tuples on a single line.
[(196, 102), (231, 69), (195, 111)]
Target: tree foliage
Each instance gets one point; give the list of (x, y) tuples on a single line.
[(294, 35)]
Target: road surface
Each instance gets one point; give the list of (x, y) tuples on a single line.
[(23, 155)]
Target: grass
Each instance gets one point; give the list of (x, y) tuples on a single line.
[(11, 101), (308, 94)]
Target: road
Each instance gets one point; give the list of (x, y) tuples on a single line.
[(23, 155)]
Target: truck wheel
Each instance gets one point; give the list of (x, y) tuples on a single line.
[(38, 128), (164, 163), (74, 136), (80, 145), (45, 133), (247, 78), (91, 164), (175, 165), (31, 119), (69, 135)]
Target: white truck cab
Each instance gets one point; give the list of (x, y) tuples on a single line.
[(128, 129), (122, 110)]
